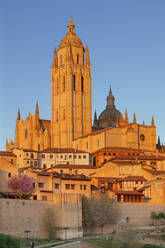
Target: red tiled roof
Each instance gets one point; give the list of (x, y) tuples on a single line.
[(62, 150), (134, 178), (71, 166), (9, 154), (65, 176), (127, 192), (29, 150), (108, 149)]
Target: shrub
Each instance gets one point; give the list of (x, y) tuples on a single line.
[(7, 241)]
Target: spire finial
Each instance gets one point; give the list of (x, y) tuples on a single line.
[(18, 115), (55, 62), (152, 122), (37, 109), (87, 59), (70, 26), (134, 117), (126, 116)]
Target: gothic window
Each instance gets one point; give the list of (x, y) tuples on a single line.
[(82, 84), (74, 82), (61, 60), (56, 115), (26, 134), (64, 84), (77, 58)]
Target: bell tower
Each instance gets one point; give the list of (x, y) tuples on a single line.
[(70, 91)]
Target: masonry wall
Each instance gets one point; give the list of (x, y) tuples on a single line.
[(18, 216), (138, 214)]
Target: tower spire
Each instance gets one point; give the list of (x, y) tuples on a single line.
[(37, 110), (126, 116), (18, 115), (55, 62), (87, 59), (152, 122), (134, 117)]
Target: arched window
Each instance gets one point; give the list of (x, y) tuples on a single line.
[(82, 84), (61, 60), (56, 115), (63, 83), (26, 134), (77, 58), (74, 82)]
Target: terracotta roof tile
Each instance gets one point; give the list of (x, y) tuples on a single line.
[(9, 154)]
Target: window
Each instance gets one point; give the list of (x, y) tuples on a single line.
[(87, 145), (27, 161), (40, 185), (79, 156), (104, 153), (80, 187), (31, 155), (33, 185), (56, 185), (114, 154), (67, 186), (35, 163), (61, 171), (84, 156), (44, 166), (70, 156), (85, 187), (11, 160), (74, 156), (9, 174), (31, 163), (51, 165), (77, 58), (61, 156), (109, 154), (76, 172), (64, 114), (72, 186), (51, 156), (26, 134), (43, 155), (82, 84), (44, 198), (63, 83), (74, 82), (27, 154)]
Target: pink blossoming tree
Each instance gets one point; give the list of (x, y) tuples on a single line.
[(22, 185)]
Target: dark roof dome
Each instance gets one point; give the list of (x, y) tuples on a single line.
[(110, 116), (70, 36)]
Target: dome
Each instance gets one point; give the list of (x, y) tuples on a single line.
[(70, 37), (108, 117)]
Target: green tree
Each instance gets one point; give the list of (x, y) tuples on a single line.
[(98, 211)]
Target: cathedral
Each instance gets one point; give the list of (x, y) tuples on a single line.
[(71, 122)]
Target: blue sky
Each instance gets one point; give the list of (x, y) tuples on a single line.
[(126, 41)]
